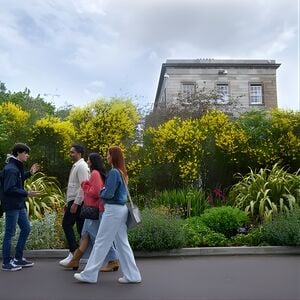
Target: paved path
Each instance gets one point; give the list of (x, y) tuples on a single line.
[(177, 278)]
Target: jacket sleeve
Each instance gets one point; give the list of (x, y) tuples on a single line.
[(111, 184), (93, 186), (10, 184), (83, 174)]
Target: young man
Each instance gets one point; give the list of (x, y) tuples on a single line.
[(79, 173), (14, 207)]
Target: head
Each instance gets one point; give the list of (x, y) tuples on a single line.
[(95, 162), (115, 158), (76, 152), (20, 151)]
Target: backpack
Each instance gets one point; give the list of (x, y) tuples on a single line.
[(1, 191)]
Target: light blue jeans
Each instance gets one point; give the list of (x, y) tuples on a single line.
[(112, 229)]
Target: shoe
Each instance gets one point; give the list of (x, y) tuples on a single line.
[(66, 260), (124, 280), (111, 266), (23, 262), (80, 278), (74, 263), (11, 267)]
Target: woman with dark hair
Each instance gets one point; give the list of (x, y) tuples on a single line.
[(113, 225), (91, 189)]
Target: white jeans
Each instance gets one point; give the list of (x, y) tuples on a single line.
[(112, 228)]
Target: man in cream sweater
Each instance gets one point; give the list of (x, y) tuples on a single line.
[(79, 173)]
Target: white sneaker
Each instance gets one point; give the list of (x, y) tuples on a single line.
[(66, 260), (80, 278), (124, 280)]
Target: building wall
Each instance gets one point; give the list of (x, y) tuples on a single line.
[(238, 79)]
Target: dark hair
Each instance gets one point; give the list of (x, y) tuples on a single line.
[(117, 160), (78, 148), (19, 148), (97, 164)]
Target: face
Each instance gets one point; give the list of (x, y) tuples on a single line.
[(23, 156), (75, 156), (108, 157)]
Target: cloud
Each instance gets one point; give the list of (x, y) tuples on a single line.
[(67, 45)]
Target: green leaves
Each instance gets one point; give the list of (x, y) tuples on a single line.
[(266, 193)]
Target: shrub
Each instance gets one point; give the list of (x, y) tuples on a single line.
[(44, 233), (224, 219), (187, 202), (266, 193), (254, 237), (158, 231), (50, 199), (197, 234), (284, 230)]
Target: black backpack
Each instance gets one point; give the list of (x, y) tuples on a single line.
[(1, 191)]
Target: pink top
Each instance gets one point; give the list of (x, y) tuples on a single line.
[(91, 189)]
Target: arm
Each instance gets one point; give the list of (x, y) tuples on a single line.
[(111, 184), (11, 186), (82, 175), (93, 186)]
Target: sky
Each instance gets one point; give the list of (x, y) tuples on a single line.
[(73, 52)]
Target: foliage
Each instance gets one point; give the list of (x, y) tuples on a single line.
[(284, 230), (185, 202), (102, 123), (14, 125), (36, 106), (45, 233), (266, 193), (254, 237), (51, 198), (224, 219), (157, 232), (197, 234)]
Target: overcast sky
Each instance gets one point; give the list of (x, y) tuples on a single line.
[(72, 52)]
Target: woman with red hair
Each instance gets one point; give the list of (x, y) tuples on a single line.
[(113, 225)]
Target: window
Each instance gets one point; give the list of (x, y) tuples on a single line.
[(256, 94), (187, 89), (223, 93)]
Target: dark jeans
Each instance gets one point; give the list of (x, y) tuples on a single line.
[(68, 222), (12, 218)]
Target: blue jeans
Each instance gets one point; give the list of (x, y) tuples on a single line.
[(12, 218)]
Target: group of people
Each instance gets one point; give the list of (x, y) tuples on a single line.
[(89, 184)]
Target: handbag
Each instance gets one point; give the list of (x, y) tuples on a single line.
[(89, 212), (134, 216)]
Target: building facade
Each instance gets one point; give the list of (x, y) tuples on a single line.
[(252, 82)]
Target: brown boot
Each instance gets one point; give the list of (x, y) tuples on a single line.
[(74, 263), (112, 265)]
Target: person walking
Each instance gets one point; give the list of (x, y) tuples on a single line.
[(113, 225), (91, 189), (78, 174), (13, 203)]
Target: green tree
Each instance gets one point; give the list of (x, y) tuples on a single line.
[(103, 123)]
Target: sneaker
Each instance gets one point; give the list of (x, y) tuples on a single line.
[(11, 267), (66, 260), (124, 280), (23, 262), (80, 278)]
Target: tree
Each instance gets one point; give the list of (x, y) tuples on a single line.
[(103, 123)]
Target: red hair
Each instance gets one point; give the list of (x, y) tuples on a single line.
[(117, 160)]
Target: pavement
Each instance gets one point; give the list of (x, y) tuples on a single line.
[(229, 273)]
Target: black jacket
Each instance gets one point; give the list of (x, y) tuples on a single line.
[(13, 185)]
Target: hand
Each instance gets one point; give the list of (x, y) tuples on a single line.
[(33, 193), (35, 167), (74, 208)]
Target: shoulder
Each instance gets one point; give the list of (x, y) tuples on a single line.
[(95, 174)]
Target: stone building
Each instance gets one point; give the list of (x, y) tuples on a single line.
[(252, 82)]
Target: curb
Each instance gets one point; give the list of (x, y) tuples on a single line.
[(204, 251)]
